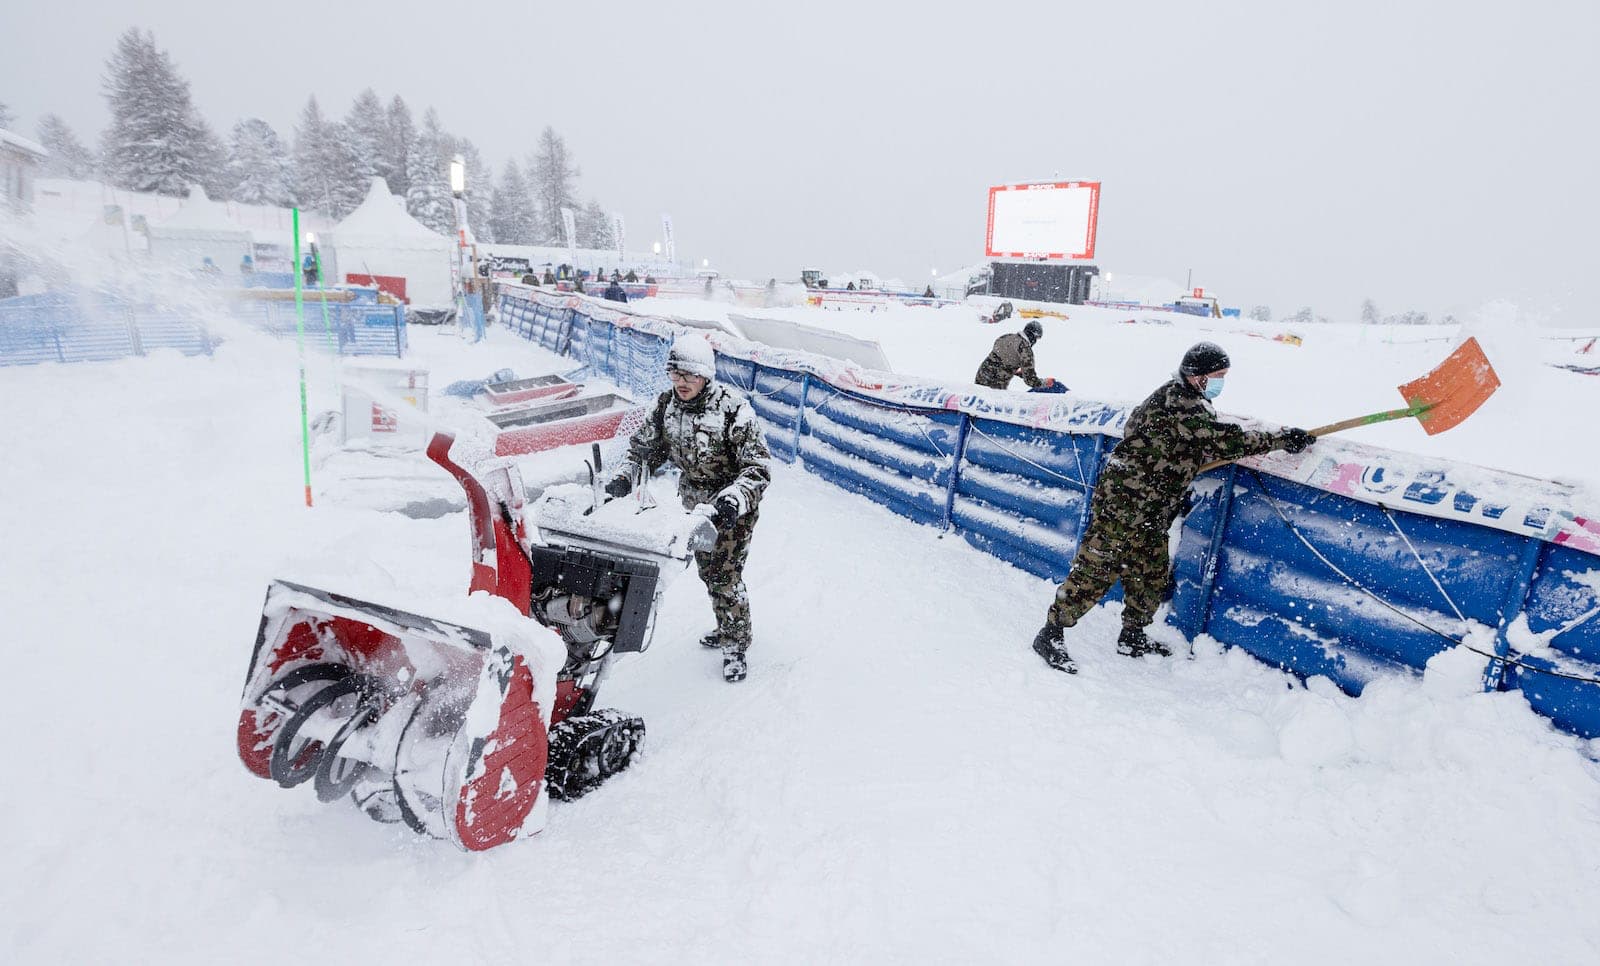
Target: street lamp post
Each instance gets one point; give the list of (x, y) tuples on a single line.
[(465, 270)]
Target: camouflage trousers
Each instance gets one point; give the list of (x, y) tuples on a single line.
[(1133, 551), (722, 570)]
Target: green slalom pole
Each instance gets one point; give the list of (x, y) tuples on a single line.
[(300, 340)]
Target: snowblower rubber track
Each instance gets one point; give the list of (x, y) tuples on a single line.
[(587, 749)]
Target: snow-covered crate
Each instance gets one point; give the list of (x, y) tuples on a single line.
[(900, 457), (562, 422), (525, 390), (1022, 493)]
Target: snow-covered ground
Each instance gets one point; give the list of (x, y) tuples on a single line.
[(900, 779)]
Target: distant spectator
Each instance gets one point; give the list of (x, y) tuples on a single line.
[(531, 279), (850, 286), (549, 276), (577, 284), (927, 293), (247, 266), (650, 280), (614, 291), (308, 268), (632, 276), (209, 267)]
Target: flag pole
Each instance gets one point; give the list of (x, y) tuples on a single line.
[(300, 340)]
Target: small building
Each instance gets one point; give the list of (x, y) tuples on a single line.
[(19, 168)]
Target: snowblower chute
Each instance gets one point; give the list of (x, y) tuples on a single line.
[(458, 731)]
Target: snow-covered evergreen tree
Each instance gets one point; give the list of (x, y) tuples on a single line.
[(1261, 313), (258, 165), (368, 127), (1369, 312), (69, 158), (327, 177), (552, 181), (6, 117), (428, 171), (513, 218), (401, 132), (594, 227), (211, 161), (156, 140)]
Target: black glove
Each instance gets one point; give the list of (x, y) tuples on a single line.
[(1295, 440), (727, 513), (619, 487)]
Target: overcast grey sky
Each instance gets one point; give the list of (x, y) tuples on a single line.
[(1430, 155)]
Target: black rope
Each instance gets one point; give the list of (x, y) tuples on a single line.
[(1510, 657)]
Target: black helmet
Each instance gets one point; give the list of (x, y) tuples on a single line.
[(1032, 331), (1203, 358)]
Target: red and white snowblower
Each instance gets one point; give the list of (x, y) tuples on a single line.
[(462, 732)]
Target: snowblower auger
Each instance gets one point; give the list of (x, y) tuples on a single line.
[(459, 732)]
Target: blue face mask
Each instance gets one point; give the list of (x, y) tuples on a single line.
[(1213, 387)]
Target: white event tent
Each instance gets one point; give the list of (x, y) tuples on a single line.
[(198, 230), (380, 238)]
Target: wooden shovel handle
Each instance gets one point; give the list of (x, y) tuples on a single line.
[(1345, 424)]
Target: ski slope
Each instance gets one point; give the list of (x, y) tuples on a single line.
[(900, 779)]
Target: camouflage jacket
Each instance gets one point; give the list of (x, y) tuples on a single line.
[(1012, 355), (1166, 440), (713, 439)]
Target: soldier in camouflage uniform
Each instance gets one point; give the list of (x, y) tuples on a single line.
[(1012, 355), (1142, 489), (710, 433)]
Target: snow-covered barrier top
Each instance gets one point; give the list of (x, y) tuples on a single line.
[(1348, 561)]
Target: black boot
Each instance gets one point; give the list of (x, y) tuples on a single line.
[(1132, 643), (713, 639), (733, 666), (1048, 645)]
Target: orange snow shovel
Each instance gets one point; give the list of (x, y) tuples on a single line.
[(1440, 400)]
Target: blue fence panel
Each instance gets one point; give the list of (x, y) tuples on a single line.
[(777, 396), (349, 328), (577, 346), (736, 372), (643, 363), (1564, 606), (1276, 597), (1022, 494), (597, 347), (902, 458), (92, 327)]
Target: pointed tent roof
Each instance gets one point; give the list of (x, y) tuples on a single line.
[(381, 221), (200, 217)]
